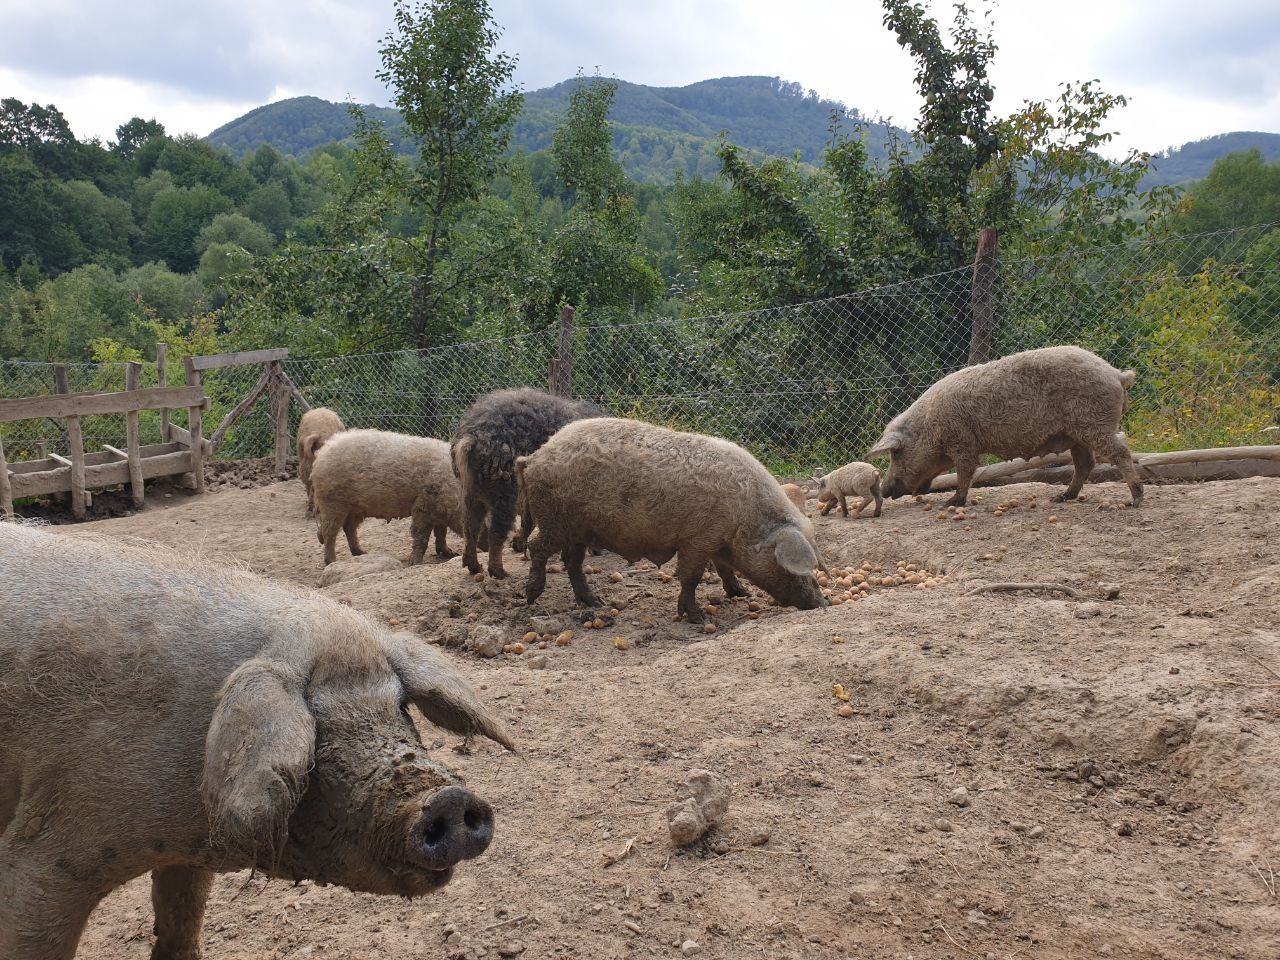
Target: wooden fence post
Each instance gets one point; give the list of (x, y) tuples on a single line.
[(132, 376), (195, 423), (75, 449), (6, 490), (280, 411), (162, 380), (564, 358), (982, 297), (553, 375)]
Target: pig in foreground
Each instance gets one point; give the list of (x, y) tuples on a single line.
[(316, 426), (373, 473), (856, 479), (496, 429), (640, 490), (1024, 405), (159, 716)]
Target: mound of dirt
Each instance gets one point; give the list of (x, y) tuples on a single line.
[(917, 770)]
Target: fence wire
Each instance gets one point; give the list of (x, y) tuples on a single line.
[(813, 384)]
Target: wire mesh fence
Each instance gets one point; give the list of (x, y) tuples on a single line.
[(813, 384)]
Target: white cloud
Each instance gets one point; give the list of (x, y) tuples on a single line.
[(1189, 69)]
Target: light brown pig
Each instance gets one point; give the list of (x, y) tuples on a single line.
[(159, 716)]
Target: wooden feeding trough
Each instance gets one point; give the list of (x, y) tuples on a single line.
[(82, 471), (181, 452)]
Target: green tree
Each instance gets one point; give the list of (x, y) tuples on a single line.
[(1241, 190), (174, 220), (450, 85), (582, 145), (134, 133), (238, 230)]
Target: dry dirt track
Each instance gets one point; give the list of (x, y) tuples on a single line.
[(1168, 697)]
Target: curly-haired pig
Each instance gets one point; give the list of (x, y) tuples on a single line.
[(161, 715), (496, 429), (375, 473), (857, 479), (1024, 405), (641, 490), (316, 426)]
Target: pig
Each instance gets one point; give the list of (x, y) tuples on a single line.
[(640, 490), (795, 493), (373, 473), (857, 479), (1024, 405), (160, 714), (496, 429), (315, 427)]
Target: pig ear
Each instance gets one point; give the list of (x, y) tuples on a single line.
[(793, 552), (257, 754), (443, 695), (889, 441)]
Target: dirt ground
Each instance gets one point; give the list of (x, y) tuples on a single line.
[(1120, 758)]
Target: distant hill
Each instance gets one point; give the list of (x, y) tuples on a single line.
[(658, 131), (1192, 161)]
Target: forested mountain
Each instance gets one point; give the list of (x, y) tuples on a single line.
[(657, 131), (1193, 160)]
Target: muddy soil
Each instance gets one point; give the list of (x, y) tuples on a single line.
[(1023, 773)]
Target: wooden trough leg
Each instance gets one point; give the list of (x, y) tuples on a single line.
[(6, 489), (75, 441), (133, 372)]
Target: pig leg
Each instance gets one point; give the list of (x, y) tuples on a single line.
[(689, 572), (1082, 458), (471, 523), (420, 534), (328, 530), (844, 507), (827, 506), (540, 550), (42, 910), (442, 547), (573, 557), (965, 466), (875, 492), (502, 517), (732, 585), (178, 895), (349, 527), (1116, 451)]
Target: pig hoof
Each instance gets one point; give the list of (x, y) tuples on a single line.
[(517, 545), (1063, 498), (445, 554), (497, 573)]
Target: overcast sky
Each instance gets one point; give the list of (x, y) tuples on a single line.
[(1191, 68)]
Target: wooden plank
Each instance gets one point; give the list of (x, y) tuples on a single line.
[(280, 409), (162, 380), (115, 452), (244, 357), (183, 436), (58, 458), (132, 380), (195, 420), (75, 444), (6, 488), (239, 410), (116, 472), (89, 404)]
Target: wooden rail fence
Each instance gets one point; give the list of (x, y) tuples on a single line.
[(180, 452)]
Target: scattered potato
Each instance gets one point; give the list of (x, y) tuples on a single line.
[(844, 710), (564, 639), (621, 643)]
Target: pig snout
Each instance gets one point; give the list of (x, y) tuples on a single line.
[(455, 825)]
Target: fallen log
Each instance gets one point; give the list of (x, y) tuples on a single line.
[(1221, 463)]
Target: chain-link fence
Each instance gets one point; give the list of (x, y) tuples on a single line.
[(813, 384)]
